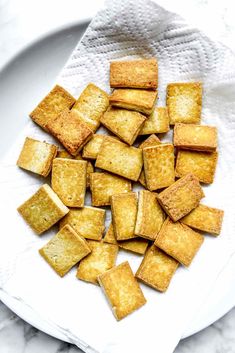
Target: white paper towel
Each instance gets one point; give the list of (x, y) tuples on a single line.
[(126, 29)]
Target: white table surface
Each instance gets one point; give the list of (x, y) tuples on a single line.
[(24, 21)]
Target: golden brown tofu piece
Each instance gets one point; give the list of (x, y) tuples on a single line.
[(68, 180), (134, 73), (124, 212), (89, 170), (157, 122), (92, 148), (64, 250), (126, 124), (91, 105), (159, 166), (104, 185), (118, 158), (37, 156), (206, 219), (70, 131), (54, 103), (43, 209), (88, 222), (184, 102), (110, 236), (181, 197), (150, 216), (179, 241), (195, 137), (152, 140), (142, 101), (201, 164), (137, 246), (157, 269), (122, 290), (101, 259)]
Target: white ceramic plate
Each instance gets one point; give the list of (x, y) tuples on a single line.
[(33, 72)]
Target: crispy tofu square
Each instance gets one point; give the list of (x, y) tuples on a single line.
[(43, 209), (126, 124), (152, 140), (87, 222), (157, 122), (195, 137), (181, 197), (142, 101), (101, 259), (179, 241), (89, 170), (122, 290), (70, 131), (118, 158), (134, 74), (150, 215), (64, 250), (159, 166), (204, 218), (37, 156), (110, 236), (104, 185), (184, 102), (157, 269), (124, 212), (201, 164), (68, 180), (54, 103), (91, 105), (92, 148), (138, 246)]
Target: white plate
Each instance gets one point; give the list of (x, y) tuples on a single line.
[(33, 72)]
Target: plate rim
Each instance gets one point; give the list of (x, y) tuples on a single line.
[(10, 301)]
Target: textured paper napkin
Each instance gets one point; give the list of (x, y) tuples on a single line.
[(79, 311)]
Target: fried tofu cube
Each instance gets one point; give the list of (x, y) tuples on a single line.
[(179, 241), (159, 164), (156, 269), (195, 137), (122, 290), (142, 101), (64, 250), (201, 164), (150, 215), (37, 156), (92, 148), (89, 170), (157, 122), (126, 124), (204, 218), (54, 103), (89, 222), (43, 209), (101, 259), (181, 197), (184, 102), (104, 185), (110, 236), (91, 105), (70, 131), (118, 158), (124, 212), (68, 180), (134, 74), (137, 246), (152, 140)]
